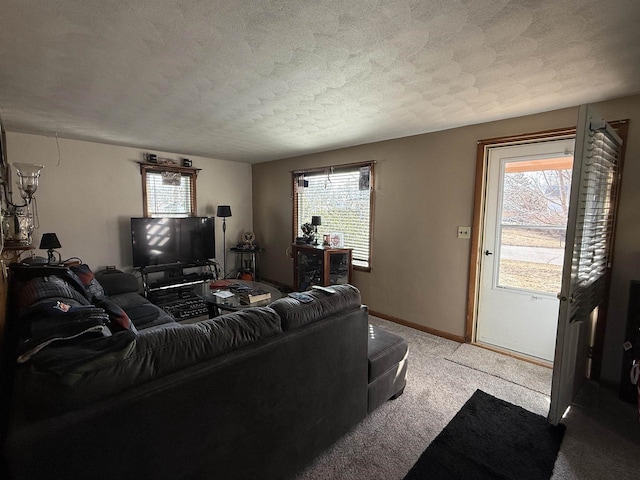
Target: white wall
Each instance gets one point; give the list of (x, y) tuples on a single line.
[(88, 198)]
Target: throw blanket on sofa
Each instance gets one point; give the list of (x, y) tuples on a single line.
[(70, 324), (62, 330)]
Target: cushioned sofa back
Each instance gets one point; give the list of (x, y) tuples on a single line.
[(115, 282), (157, 352), (295, 314)]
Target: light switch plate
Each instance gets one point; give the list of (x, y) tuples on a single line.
[(464, 232)]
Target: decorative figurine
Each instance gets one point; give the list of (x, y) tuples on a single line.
[(308, 232)]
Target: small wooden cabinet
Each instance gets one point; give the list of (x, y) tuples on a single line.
[(318, 265)]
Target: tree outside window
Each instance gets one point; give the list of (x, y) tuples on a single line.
[(535, 207)]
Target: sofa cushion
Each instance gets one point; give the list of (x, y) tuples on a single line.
[(385, 350), (295, 314), (141, 311), (205, 339), (143, 314), (116, 282)]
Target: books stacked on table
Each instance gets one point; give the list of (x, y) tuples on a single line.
[(254, 296), (248, 295)]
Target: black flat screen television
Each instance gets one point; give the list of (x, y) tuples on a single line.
[(163, 241)]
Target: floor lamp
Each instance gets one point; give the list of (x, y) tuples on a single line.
[(224, 211)]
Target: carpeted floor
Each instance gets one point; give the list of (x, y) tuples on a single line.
[(529, 375), (390, 440)]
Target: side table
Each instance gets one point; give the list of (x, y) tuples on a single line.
[(319, 265), (247, 260)]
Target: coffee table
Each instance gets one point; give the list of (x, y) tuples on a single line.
[(233, 303)]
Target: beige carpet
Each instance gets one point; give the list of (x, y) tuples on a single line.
[(511, 369)]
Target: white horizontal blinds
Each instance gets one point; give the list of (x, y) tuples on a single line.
[(595, 222), (168, 194), (341, 196)]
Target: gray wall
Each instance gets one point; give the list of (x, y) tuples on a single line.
[(424, 190)]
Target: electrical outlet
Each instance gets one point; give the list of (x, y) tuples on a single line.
[(464, 232)]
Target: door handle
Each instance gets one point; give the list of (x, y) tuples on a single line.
[(487, 252), (563, 298)]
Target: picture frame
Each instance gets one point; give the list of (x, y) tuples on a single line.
[(336, 239)]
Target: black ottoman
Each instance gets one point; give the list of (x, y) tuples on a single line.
[(387, 356)]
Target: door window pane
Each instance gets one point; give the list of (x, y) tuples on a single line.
[(535, 205)]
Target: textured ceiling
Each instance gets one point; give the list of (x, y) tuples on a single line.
[(259, 80)]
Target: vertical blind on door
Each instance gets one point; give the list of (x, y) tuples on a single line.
[(595, 221), (341, 196)]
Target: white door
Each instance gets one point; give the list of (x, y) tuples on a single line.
[(588, 253), (526, 209)]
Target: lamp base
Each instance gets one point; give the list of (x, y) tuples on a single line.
[(51, 258)]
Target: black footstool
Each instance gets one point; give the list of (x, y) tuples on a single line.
[(387, 355)]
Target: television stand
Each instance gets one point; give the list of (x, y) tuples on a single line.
[(171, 288)]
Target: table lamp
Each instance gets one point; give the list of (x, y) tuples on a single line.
[(315, 221), (49, 242)]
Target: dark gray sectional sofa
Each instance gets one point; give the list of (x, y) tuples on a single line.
[(252, 394)]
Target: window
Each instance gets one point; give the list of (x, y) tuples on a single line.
[(343, 197), (168, 190)]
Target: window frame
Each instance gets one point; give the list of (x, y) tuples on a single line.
[(336, 169), (191, 173)]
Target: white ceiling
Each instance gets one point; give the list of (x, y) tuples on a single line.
[(260, 80)]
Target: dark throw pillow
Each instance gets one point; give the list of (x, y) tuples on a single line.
[(119, 318), (88, 279)]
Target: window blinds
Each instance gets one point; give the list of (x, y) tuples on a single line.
[(168, 196), (342, 197), (595, 221)]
